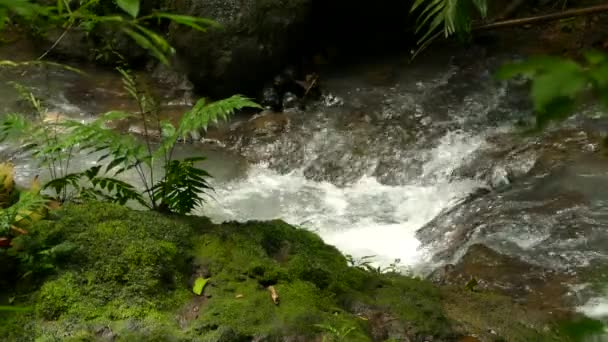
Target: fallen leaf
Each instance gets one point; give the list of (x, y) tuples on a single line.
[(199, 285), (274, 295)]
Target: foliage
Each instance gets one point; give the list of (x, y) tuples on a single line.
[(334, 334), (83, 14), (445, 16), (199, 285), (559, 83), (18, 209), (366, 263), (131, 273), (23, 8), (55, 141)]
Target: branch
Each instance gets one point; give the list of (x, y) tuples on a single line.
[(544, 18)]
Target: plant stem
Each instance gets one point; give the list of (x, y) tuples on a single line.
[(544, 18)]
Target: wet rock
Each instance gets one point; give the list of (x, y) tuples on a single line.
[(499, 178), (176, 87), (534, 239), (331, 100), (271, 99), (105, 334), (291, 102), (253, 43), (522, 281)]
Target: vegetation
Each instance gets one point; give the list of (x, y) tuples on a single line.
[(447, 17), (131, 277), (54, 142), (179, 189), (559, 84), (101, 270), (89, 15)]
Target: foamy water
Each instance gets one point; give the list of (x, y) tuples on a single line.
[(362, 219), (596, 308)]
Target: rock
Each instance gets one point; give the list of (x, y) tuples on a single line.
[(252, 45), (291, 102), (499, 178), (331, 100), (270, 98)]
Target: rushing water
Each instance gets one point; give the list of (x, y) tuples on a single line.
[(402, 150), (362, 218)]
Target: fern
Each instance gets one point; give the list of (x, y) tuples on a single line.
[(15, 126), (124, 150), (203, 114), (20, 213), (183, 187), (447, 16)]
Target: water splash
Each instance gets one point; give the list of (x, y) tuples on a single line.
[(362, 218)]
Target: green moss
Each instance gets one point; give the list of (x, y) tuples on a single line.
[(130, 278), (314, 283), (415, 301), (58, 296)]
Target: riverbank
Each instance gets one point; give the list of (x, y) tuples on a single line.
[(124, 275)]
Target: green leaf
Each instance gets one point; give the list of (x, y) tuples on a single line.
[(145, 43), (199, 24), (566, 81), (14, 308), (129, 6), (199, 285)]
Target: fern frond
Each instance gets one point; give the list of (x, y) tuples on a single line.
[(447, 16), (183, 187), (203, 113), (14, 126), (63, 184), (22, 212), (94, 137), (116, 191)]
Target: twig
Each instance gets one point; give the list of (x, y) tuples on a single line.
[(544, 18), (56, 42)]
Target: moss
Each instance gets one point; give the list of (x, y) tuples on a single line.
[(415, 301), (127, 265), (489, 315), (313, 281), (58, 296), (131, 274)]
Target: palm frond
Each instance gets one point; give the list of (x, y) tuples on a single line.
[(445, 16)]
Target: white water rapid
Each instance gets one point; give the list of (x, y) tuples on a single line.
[(364, 218)]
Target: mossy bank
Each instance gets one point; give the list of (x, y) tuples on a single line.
[(127, 275)]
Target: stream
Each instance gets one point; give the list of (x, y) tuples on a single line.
[(419, 164)]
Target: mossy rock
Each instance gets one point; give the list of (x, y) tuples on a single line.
[(130, 278)]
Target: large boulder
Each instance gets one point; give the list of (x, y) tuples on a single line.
[(254, 42)]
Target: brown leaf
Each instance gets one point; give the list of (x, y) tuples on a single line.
[(274, 295)]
